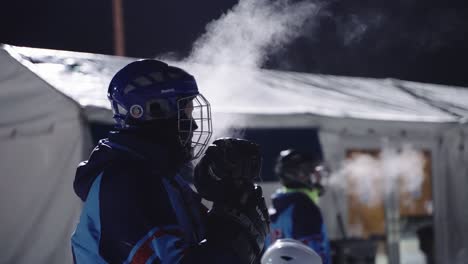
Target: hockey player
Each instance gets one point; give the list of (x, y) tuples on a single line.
[(138, 209), (295, 213), (290, 251)]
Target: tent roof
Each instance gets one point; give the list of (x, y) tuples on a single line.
[(84, 78), (30, 106)]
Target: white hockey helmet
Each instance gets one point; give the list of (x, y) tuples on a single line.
[(290, 251)]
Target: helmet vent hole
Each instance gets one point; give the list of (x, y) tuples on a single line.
[(129, 88), (121, 110), (159, 109), (157, 76), (143, 81), (155, 110), (287, 258)]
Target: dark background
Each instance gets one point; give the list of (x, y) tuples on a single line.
[(420, 40)]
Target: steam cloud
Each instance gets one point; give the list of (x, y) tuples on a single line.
[(374, 178), (239, 42), (250, 31)]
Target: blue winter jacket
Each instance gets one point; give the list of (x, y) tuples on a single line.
[(296, 216), (137, 209)]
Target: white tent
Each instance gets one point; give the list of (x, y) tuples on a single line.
[(48, 98)]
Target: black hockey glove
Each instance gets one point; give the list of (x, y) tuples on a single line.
[(227, 169), (239, 217)]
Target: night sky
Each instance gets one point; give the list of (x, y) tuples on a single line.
[(420, 40)]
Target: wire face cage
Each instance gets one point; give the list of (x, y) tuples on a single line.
[(194, 123)]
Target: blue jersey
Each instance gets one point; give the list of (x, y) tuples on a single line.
[(137, 209), (296, 216)]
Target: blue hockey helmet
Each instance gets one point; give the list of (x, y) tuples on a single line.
[(148, 90)]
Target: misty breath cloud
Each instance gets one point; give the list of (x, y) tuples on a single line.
[(227, 58), (250, 31), (372, 179)]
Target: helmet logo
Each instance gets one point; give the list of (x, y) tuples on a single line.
[(136, 111)]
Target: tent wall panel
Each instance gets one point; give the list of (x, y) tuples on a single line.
[(39, 208), (451, 219)]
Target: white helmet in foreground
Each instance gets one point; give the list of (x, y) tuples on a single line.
[(290, 251)]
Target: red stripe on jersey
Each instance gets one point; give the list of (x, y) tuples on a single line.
[(146, 251)]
